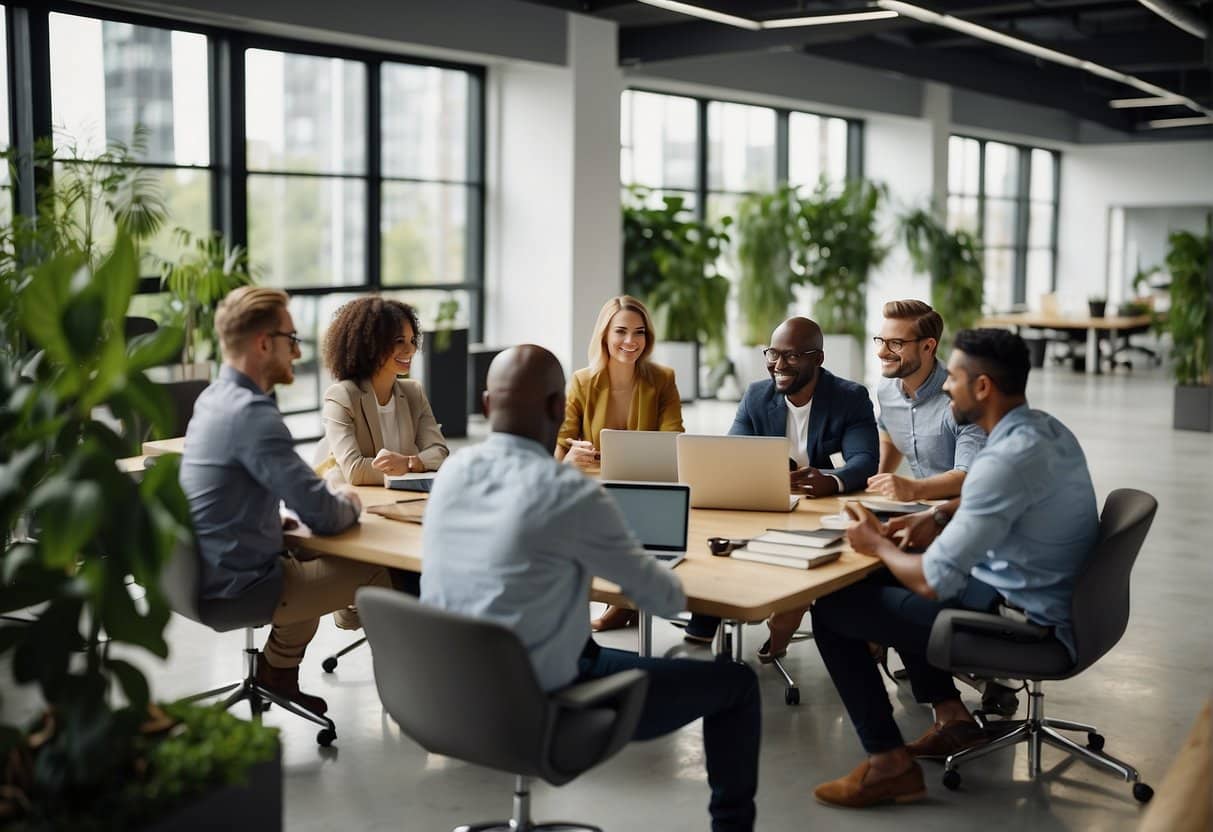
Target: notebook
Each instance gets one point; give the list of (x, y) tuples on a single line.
[(410, 482), (825, 557), (406, 511), (815, 538)]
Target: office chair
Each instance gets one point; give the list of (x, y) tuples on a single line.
[(988, 645), (179, 582), (487, 707)]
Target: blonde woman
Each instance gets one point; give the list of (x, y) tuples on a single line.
[(622, 389)]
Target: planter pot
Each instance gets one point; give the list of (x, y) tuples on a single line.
[(683, 358), (444, 373), (479, 359), (1193, 408), (844, 358), (1097, 308), (749, 366), (255, 805)]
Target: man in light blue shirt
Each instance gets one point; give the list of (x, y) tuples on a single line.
[(514, 537), (916, 421), (1017, 536)]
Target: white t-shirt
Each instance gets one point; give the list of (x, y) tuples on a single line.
[(798, 432), (388, 424)]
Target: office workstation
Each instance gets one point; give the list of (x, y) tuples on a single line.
[(619, 404)]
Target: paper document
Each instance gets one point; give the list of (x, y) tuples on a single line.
[(410, 482)]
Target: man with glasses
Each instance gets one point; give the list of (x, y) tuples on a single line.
[(830, 428), (239, 464)]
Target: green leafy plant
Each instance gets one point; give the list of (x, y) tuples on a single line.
[(769, 242), (669, 262), (444, 322), (198, 279), (952, 259), (842, 246), (1188, 261)]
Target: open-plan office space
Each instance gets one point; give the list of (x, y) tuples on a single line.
[(471, 158)]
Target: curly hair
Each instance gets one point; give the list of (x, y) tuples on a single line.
[(363, 334)]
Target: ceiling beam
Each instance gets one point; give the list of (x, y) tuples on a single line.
[(1157, 48), (650, 44)]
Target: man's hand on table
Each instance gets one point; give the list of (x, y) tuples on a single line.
[(894, 487), (811, 482)]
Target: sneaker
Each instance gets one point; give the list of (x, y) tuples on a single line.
[(284, 681), (945, 739), (858, 791)]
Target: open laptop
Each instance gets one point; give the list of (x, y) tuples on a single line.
[(658, 513), (736, 472), (639, 455)]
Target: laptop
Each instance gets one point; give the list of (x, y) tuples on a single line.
[(736, 472), (658, 513), (639, 455)]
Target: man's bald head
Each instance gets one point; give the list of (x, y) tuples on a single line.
[(802, 332), (797, 343), (524, 394)]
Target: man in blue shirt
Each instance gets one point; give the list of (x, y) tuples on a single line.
[(829, 425), (514, 537), (1017, 536)]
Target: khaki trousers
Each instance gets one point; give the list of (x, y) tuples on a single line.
[(310, 589)]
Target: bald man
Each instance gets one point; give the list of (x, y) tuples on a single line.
[(833, 445), (514, 537)]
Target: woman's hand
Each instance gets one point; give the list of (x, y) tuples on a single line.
[(581, 453), (394, 464)]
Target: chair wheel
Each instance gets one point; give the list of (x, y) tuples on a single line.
[(951, 780), (1095, 742), (329, 664), (1142, 792), (791, 696), (326, 736)]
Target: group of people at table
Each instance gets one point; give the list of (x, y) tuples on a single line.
[(514, 531)]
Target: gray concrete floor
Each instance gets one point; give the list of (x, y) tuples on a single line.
[(1144, 694)]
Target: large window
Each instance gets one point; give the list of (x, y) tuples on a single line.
[(659, 144), (1007, 195)]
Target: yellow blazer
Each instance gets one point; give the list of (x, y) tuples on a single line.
[(656, 404)]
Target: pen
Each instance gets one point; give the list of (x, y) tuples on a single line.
[(410, 500)]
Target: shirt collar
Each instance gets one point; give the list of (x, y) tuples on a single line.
[(1011, 419), (231, 375), (516, 442), (931, 387)]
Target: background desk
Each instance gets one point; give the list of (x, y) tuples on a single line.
[(1092, 326), (732, 590)]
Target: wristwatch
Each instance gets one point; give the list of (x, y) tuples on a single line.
[(940, 517)]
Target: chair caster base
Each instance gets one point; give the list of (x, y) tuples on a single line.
[(951, 780), (1142, 792)]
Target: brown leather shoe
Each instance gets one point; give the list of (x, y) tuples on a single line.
[(284, 681), (615, 618), (858, 790), (948, 738)]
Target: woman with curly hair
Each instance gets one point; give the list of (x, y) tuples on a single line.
[(374, 422)]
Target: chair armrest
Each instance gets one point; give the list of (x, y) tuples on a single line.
[(599, 691), (948, 622)]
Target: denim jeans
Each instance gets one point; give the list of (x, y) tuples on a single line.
[(879, 609), (726, 695)]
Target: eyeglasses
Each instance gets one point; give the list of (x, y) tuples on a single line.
[(721, 546), (792, 359), (291, 336), (894, 344)]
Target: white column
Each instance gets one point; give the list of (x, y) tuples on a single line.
[(937, 110)]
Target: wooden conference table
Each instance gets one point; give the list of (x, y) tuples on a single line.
[(1092, 326), (736, 591)]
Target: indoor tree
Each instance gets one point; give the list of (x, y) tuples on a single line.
[(952, 259)]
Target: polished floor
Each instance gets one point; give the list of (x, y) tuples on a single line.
[(1144, 694)]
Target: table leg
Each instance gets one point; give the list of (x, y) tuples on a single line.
[(644, 634), (738, 628), (1092, 351)]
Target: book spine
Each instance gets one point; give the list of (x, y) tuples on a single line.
[(774, 560)]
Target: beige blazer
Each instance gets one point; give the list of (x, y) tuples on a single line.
[(353, 435)]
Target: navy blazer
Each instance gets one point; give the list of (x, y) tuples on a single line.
[(841, 419)]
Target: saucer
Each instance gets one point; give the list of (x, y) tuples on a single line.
[(837, 521)]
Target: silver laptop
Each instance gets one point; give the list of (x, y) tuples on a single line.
[(639, 455), (658, 513), (737, 472)]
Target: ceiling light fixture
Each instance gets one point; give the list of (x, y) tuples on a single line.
[(691, 10), (1152, 101), (823, 19), (1196, 121), (705, 14)]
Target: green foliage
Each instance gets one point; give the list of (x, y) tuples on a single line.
[(198, 279), (1188, 260), (669, 263), (841, 246), (953, 261), (444, 322), (769, 240)]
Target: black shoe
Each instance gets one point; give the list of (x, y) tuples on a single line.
[(284, 681), (999, 700)]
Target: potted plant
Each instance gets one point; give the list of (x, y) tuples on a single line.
[(444, 363), (100, 754), (669, 262), (197, 280), (843, 246), (1097, 305), (1189, 322), (952, 259)]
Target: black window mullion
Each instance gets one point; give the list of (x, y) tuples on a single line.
[(231, 185), (30, 101), (701, 159), (1056, 217), (474, 230), (1023, 208), (781, 147), (374, 169), (855, 160)]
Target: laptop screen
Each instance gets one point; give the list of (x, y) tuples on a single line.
[(657, 514)]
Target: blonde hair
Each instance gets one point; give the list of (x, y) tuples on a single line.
[(598, 349), (246, 311)]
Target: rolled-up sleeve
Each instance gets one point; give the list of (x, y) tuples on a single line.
[(970, 439)]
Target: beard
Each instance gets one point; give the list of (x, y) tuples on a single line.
[(903, 367)]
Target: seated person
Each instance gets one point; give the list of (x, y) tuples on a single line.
[(376, 423), (1019, 533), (831, 431), (916, 421), (513, 537), (239, 463), (622, 390)]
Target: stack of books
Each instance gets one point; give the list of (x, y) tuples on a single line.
[(794, 549)]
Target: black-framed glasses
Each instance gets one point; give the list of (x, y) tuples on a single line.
[(894, 344), (792, 359), (294, 338)]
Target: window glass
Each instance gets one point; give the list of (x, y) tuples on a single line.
[(964, 165), (425, 122), (307, 231), (1043, 165), (1002, 169), (817, 146), (741, 147), (658, 138), (424, 233)]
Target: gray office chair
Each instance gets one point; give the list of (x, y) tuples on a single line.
[(988, 645), (179, 582), (485, 705)]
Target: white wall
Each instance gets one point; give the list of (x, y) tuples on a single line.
[(1093, 179)]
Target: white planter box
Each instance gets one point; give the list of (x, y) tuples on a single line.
[(844, 358), (683, 358)]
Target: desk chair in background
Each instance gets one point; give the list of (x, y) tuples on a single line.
[(988, 645), (519, 728)]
